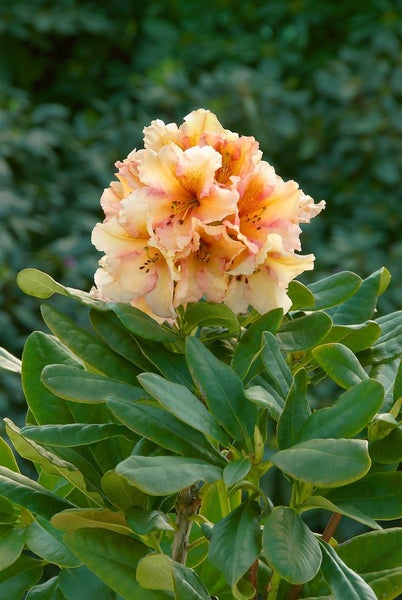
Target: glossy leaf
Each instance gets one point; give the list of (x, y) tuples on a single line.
[(236, 543), (334, 289), (355, 337), (300, 295), (344, 582), (172, 365), (378, 495), (86, 346), (346, 417), (33, 496), (324, 462), (141, 325), (72, 582), (222, 390), (144, 521), (7, 458), (388, 450), (113, 558), (250, 343), (47, 542), (155, 572), (210, 314), (89, 518), (73, 434), (236, 470), (178, 400), (373, 551), (295, 413), (275, 364), (11, 545), (121, 493), (48, 590), (340, 364), (349, 511), (19, 577), (187, 584), (163, 475), (290, 548), (305, 332), (9, 362), (163, 428), (269, 399)]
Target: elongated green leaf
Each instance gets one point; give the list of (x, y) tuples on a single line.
[(86, 346), (211, 314), (48, 590), (163, 428), (385, 350), (163, 475), (72, 582), (325, 462), (295, 414), (187, 584), (78, 385), (155, 572), (73, 434), (340, 364), (305, 332), (236, 543), (373, 551), (144, 521), (11, 545), (141, 325), (300, 295), (33, 496), (349, 415), (398, 384), (334, 289), (89, 518), (51, 463), (275, 364), (381, 426), (19, 577), (269, 399), (222, 390), (344, 582), (386, 584), (9, 513), (290, 548), (47, 542), (178, 400), (236, 470), (355, 337), (349, 511), (172, 365), (41, 349), (250, 344), (361, 306), (9, 362), (7, 458), (113, 558), (378, 495), (121, 493), (388, 450)]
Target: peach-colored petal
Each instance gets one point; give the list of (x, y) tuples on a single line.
[(158, 135), (196, 124)]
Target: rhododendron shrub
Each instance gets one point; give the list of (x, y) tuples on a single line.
[(180, 437), (198, 214)]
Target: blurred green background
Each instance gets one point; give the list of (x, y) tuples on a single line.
[(319, 84)]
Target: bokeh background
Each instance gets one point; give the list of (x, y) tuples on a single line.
[(319, 84)]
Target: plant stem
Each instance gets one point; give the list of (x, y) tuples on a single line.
[(187, 505), (326, 536)]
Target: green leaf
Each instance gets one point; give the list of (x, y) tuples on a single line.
[(121, 493), (250, 344), (49, 590), (340, 364), (11, 545), (86, 346), (373, 551), (378, 495), (155, 572), (172, 365), (163, 428), (9, 362), (113, 558), (361, 306), (334, 289), (305, 332), (31, 495), (275, 364), (7, 458), (73, 434), (380, 426), (269, 399), (211, 314), (236, 544), (178, 400), (77, 385), (387, 347), (295, 413), (290, 548), (349, 511), (222, 390), (236, 470), (324, 462), (39, 350), (9, 513), (349, 415), (73, 581), (164, 475), (344, 582), (142, 325), (300, 295), (355, 337), (19, 577), (388, 450), (187, 584), (144, 521), (88, 518), (47, 542)]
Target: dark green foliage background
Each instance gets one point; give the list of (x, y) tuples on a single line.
[(318, 84)]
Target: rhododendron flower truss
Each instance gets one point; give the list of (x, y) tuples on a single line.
[(197, 214)]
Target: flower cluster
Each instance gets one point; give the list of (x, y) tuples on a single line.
[(198, 214)]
